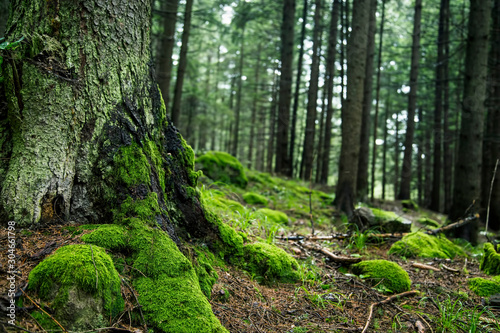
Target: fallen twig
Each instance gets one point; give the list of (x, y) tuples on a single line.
[(334, 257), (423, 266), (455, 225), (385, 301), (449, 269), (32, 301)]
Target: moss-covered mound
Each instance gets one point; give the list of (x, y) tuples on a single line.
[(254, 198), (419, 244), (390, 221), (79, 281), (490, 263), (273, 215), (270, 263), (484, 287), (429, 222), (384, 273), (222, 167), (409, 204), (168, 287)]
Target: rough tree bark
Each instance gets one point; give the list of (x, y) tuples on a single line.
[(404, 189), (467, 185), (351, 114)]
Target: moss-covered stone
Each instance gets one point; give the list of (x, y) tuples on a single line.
[(273, 215), (270, 263), (222, 167), (484, 287), (166, 281), (81, 283), (490, 263), (384, 273), (260, 177), (429, 222), (254, 198), (390, 221), (419, 244)]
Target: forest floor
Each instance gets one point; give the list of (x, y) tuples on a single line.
[(329, 298)]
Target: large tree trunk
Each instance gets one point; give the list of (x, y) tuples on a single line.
[(283, 165), (351, 114), (364, 151), (306, 165), (404, 189), (491, 145), (86, 138), (468, 168)]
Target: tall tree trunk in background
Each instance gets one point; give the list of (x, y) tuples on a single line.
[(447, 134), (4, 15), (491, 148), (272, 125), (377, 101), (420, 160), (364, 152), (203, 117), (385, 147), (237, 110), (438, 111), (254, 108), (427, 163), (329, 75), (283, 165), (169, 17), (396, 156), (261, 142), (352, 113), (181, 69), (306, 165), (295, 106), (467, 187), (404, 190)]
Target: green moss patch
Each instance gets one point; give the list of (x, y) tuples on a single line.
[(166, 281), (254, 199), (273, 215), (132, 166), (222, 167), (419, 244), (207, 276), (409, 204), (109, 236), (384, 273), (90, 270), (390, 221), (484, 287), (270, 263), (429, 222), (490, 263)]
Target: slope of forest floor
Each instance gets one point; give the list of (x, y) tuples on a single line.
[(329, 298)]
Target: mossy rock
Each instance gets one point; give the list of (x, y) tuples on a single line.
[(82, 285), (270, 263), (429, 222), (255, 199), (390, 222), (274, 216), (490, 263), (166, 281), (484, 287), (384, 273), (419, 244), (260, 177), (222, 167)]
